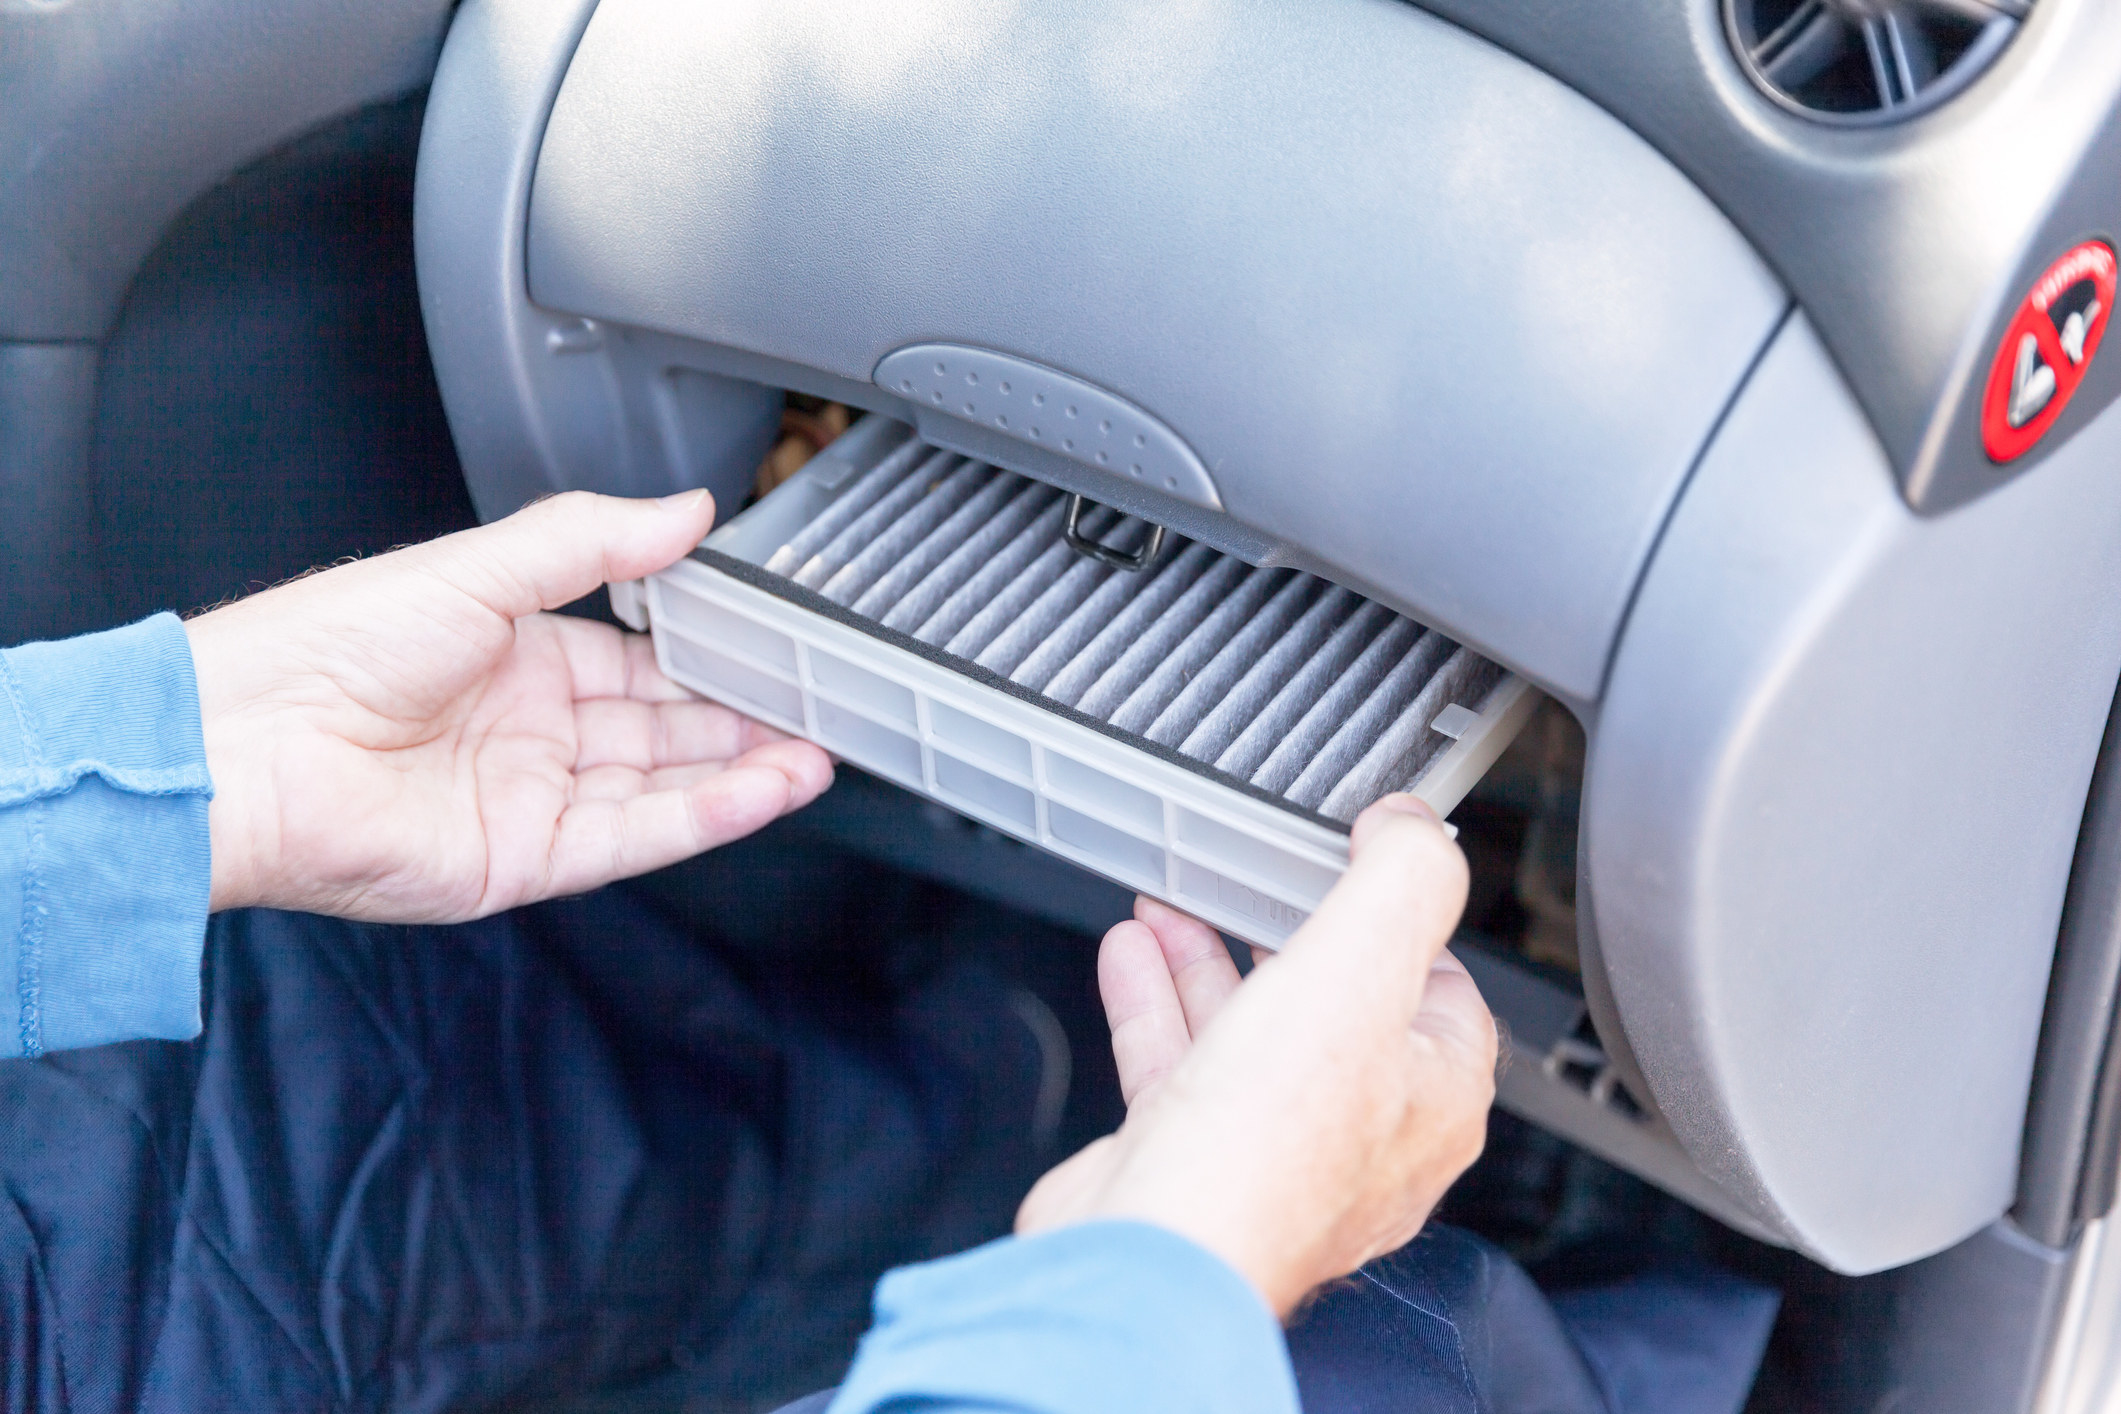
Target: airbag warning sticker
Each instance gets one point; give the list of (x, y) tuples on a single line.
[(2049, 344)]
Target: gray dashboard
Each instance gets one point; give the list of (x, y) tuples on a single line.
[(1513, 355), (1535, 321), (1906, 244)]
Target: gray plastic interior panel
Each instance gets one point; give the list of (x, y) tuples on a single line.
[(1417, 308), (541, 402), (1908, 246), (2072, 1143), (1833, 793), (1567, 1085), (118, 112), (114, 116), (1199, 728), (47, 422)]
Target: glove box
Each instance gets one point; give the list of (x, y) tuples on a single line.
[(1444, 385)]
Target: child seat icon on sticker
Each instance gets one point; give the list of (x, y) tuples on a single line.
[(2045, 349)]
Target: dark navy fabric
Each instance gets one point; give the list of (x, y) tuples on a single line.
[(1446, 1325), (1670, 1343), (418, 1168), (518, 1161), (1449, 1323)]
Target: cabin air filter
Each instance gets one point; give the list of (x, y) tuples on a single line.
[(1167, 715)]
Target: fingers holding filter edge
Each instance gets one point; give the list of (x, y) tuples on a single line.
[(1201, 967), (1391, 914), (1142, 1008)]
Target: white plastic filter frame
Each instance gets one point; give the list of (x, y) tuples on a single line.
[(1249, 868)]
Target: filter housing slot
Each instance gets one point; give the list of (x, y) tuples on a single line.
[(1202, 729)]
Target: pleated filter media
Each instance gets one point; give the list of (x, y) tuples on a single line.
[(1198, 728)]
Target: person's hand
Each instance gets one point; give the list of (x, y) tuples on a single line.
[(1303, 1122), (410, 739)]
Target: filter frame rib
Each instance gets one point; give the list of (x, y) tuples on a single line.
[(747, 573)]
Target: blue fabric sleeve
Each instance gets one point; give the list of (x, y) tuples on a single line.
[(1105, 1318), (104, 857)]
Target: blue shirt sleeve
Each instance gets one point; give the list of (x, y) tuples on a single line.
[(1102, 1318), (104, 856)]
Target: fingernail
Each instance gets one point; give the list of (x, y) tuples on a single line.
[(1403, 803), (684, 500)]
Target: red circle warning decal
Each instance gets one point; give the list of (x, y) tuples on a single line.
[(2046, 349)]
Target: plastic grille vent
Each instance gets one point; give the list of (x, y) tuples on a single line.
[(1272, 677), (1868, 61)]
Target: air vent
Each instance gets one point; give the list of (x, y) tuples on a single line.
[(1196, 727), (1868, 61)]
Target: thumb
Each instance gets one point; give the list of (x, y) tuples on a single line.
[(554, 551), (1386, 922)]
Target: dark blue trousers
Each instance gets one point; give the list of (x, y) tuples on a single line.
[(512, 1163), (418, 1168), (1450, 1325)]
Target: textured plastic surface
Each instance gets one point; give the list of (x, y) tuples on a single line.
[(1179, 730), (1049, 409), (1419, 309), (1833, 794), (1541, 1021)]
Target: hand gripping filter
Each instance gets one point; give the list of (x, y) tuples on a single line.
[(1199, 729)]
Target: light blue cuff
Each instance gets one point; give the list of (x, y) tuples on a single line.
[(1104, 1318), (104, 856)]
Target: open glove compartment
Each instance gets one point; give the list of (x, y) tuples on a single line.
[(1345, 298), (1179, 721)]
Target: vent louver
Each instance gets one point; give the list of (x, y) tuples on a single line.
[(1198, 728), (1868, 61)]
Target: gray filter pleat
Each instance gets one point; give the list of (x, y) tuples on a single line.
[(1406, 746), (1031, 587), (1161, 688), (1160, 637), (1262, 683), (1094, 619), (1316, 729), (1270, 677), (989, 575), (913, 488), (900, 535), (990, 507), (870, 488), (1314, 674), (1384, 705), (1210, 686), (1084, 666), (979, 546)]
